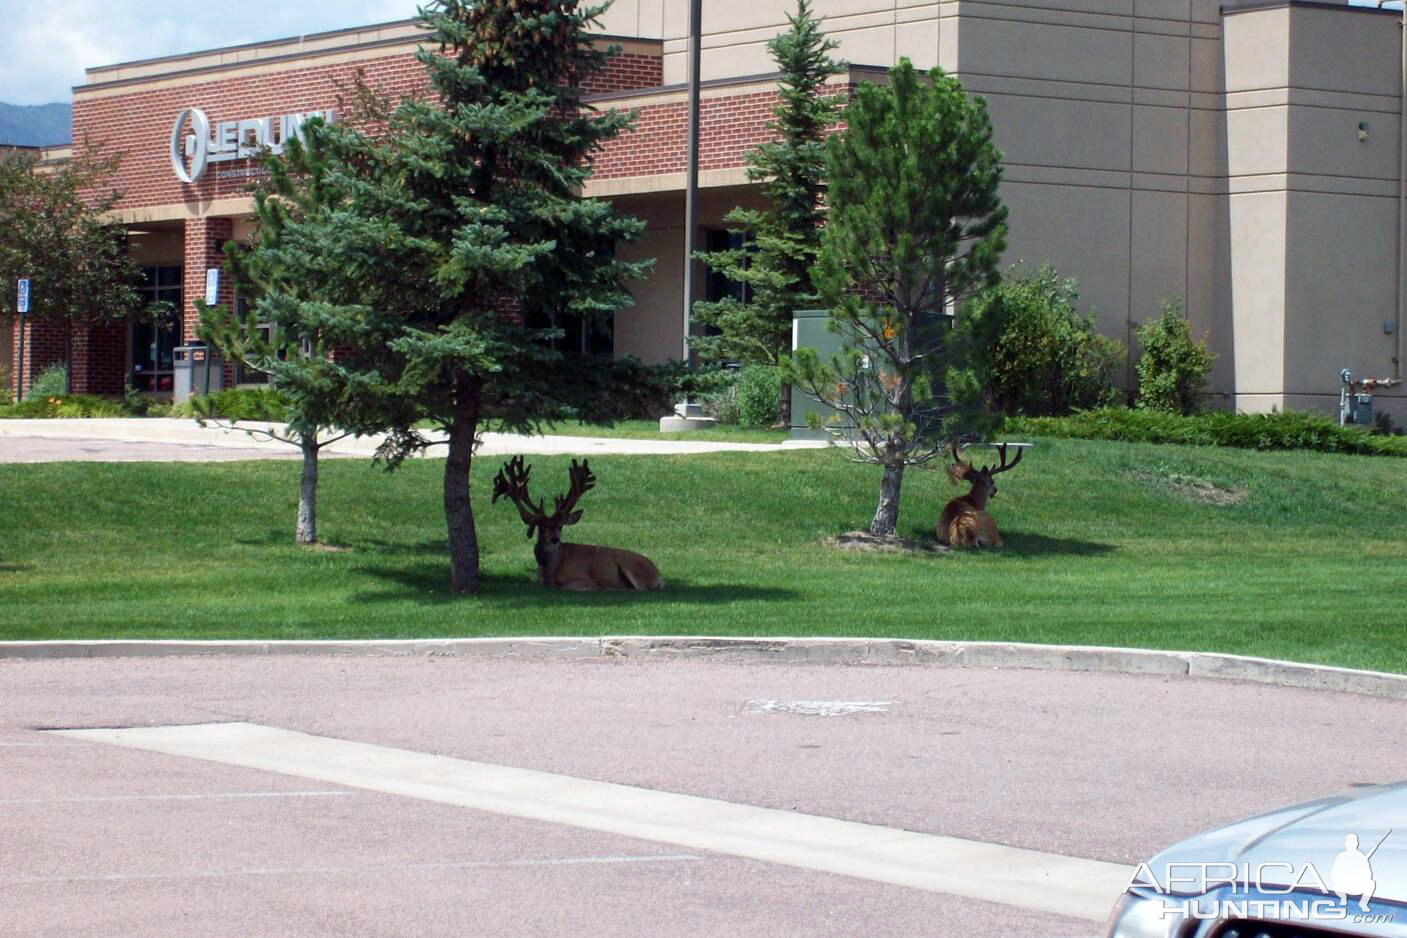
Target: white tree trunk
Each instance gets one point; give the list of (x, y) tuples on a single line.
[(308, 494)]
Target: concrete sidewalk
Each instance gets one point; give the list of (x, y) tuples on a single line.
[(18, 437)]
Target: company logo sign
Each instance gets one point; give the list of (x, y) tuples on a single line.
[(196, 143), (1274, 891)]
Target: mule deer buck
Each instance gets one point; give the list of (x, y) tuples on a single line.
[(965, 522), (571, 566)]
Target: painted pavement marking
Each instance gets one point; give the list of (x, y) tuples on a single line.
[(1029, 879), (351, 870), (98, 799), (818, 708)]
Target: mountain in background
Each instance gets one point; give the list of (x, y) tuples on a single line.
[(34, 125)]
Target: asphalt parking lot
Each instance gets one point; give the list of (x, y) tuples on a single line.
[(1060, 776)]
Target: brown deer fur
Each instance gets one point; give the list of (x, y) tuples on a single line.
[(572, 566), (965, 522)]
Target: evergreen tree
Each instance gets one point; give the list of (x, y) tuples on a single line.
[(915, 226), (301, 310), (53, 231), (444, 218), (780, 242)]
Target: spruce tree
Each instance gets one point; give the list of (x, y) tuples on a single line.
[(447, 217), (781, 242), (915, 226), (301, 312)]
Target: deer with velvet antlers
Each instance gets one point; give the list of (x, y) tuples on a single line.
[(965, 522), (571, 566)]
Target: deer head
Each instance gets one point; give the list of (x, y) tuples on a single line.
[(983, 487), (512, 482)]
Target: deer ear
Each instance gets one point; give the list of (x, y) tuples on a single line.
[(532, 528), (572, 518)]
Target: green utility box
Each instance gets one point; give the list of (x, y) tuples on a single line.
[(808, 330)]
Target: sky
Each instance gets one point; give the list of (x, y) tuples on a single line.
[(46, 44)]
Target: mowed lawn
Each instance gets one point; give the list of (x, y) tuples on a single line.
[(1289, 555)]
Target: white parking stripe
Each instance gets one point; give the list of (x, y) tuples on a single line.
[(195, 797), (352, 870), (1028, 879)]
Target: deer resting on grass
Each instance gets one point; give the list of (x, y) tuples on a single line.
[(571, 566), (965, 522)]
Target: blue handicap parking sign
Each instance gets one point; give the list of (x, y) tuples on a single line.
[(23, 306)]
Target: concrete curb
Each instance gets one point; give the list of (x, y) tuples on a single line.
[(782, 650)]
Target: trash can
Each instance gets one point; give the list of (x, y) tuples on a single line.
[(198, 370)]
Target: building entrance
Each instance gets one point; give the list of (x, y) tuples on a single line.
[(154, 338)]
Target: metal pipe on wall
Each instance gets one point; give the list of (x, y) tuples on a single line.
[(691, 185), (1401, 188), (1401, 197)]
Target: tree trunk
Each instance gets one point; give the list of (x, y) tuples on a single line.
[(308, 493), (459, 513), (886, 515), (784, 405)]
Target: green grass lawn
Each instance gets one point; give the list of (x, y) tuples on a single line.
[(1108, 543)]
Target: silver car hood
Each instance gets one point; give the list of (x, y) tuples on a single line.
[(1312, 833)]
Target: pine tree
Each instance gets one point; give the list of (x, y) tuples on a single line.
[(781, 242), (915, 226), (302, 310), (446, 218)]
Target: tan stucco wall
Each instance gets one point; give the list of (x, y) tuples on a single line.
[(163, 248), (736, 32), (1109, 116), (1314, 209), (652, 330)]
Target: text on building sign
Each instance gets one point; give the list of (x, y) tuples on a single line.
[(193, 150)]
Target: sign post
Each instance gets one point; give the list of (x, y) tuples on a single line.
[(212, 297), (22, 307)]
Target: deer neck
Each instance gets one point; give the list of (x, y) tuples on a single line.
[(549, 559), (977, 498)]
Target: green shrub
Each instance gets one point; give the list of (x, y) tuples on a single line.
[(1173, 368), (137, 402), (1040, 355), (236, 404), (758, 391), (721, 401), (52, 382), (1274, 431), (73, 405)]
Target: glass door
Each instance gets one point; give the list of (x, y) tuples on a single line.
[(154, 339)]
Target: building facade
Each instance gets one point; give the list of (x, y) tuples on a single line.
[(1247, 159)]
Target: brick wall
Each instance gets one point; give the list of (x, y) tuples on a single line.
[(204, 248), (44, 347), (100, 359), (658, 143), (139, 123), (628, 71)]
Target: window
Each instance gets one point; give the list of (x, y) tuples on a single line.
[(243, 373), (580, 336), (586, 337), (154, 338), (717, 286)]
